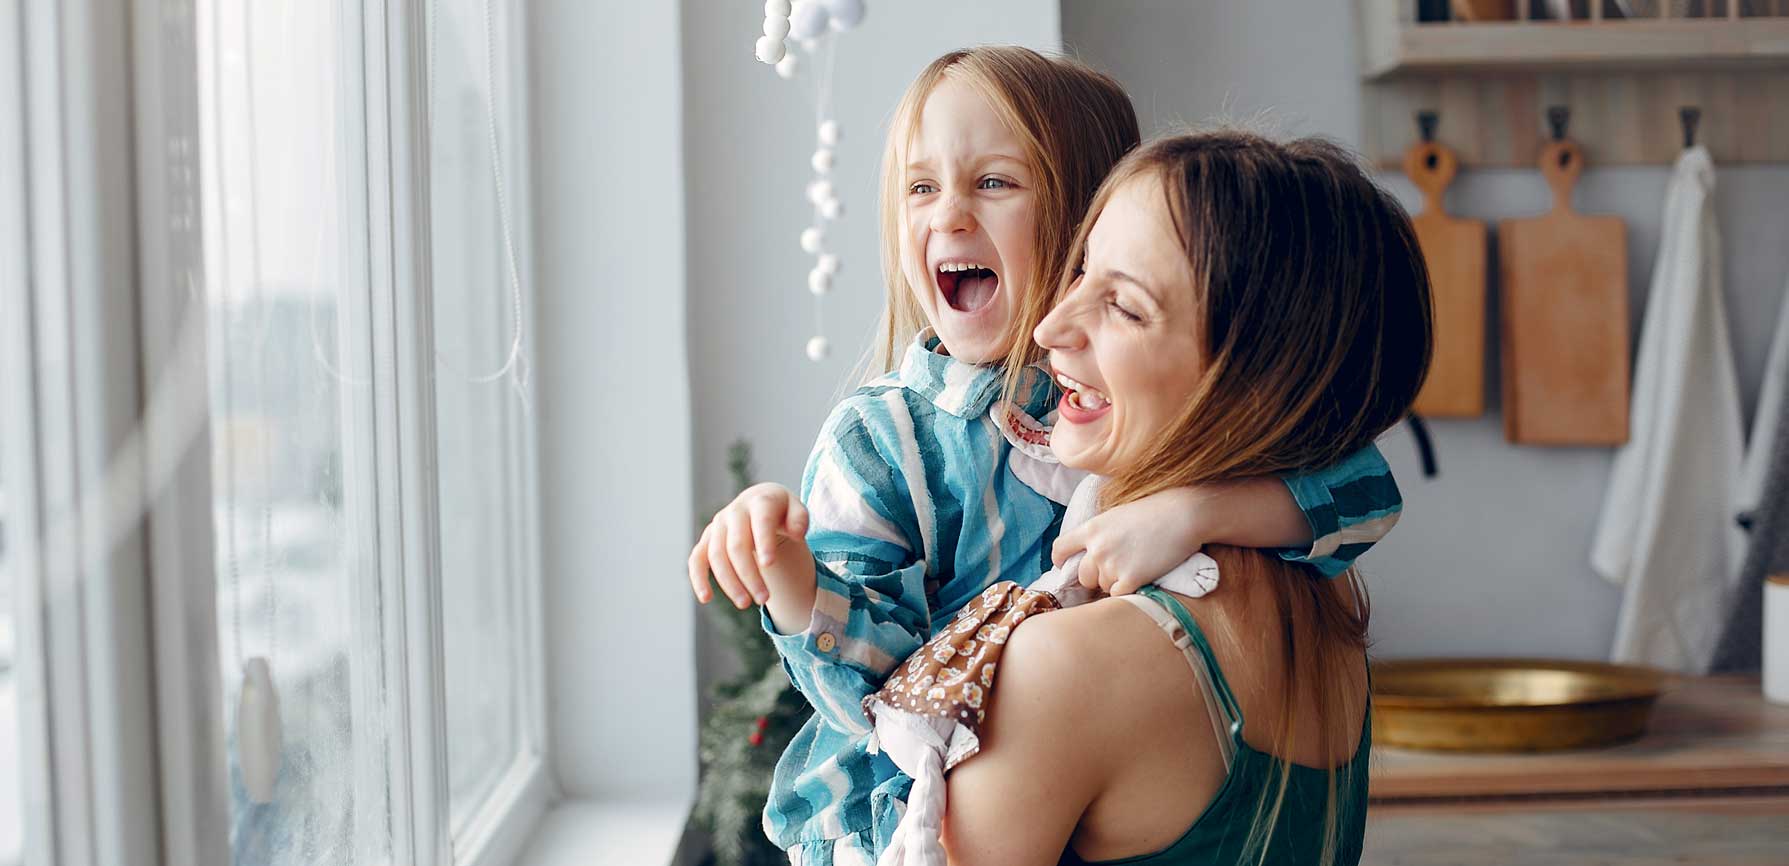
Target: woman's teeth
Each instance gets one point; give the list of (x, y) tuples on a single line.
[(1082, 396), (953, 267)]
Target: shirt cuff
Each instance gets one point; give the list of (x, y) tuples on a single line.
[(1319, 511), (825, 622)]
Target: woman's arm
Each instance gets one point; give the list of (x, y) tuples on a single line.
[(1018, 801)]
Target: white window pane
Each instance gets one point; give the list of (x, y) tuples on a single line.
[(11, 812), (482, 425), (286, 290)]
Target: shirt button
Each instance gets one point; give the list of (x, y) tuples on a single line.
[(826, 641)]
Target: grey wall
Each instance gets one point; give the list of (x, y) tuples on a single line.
[(612, 398), (1492, 556), (748, 135)]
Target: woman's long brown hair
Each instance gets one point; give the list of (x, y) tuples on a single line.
[(1314, 305)]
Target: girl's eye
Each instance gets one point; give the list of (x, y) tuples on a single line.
[(921, 188), (993, 183), (1123, 313)]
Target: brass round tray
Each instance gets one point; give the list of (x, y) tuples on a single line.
[(1510, 705)]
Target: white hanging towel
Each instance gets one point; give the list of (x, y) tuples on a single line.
[(1667, 533), (1770, 412)]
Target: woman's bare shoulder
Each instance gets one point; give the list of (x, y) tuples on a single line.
[(1084, 660)]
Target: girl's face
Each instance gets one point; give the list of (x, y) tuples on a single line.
[(969, 224), (1124, 340)]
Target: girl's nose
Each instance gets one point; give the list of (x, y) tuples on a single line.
[(951, 216)]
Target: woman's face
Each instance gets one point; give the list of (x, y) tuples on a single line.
[(1124, 342), (969, 222)]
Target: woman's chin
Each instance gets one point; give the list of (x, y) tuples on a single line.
[(1078, 455)]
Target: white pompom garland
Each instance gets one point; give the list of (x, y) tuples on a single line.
[(809, 20), (813, 240), (770, 50), (846, 14), (807, 23)]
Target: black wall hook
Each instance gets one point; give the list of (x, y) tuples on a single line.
[(1425, 447), (1689, 115), (1558, 117), (1426, 121)]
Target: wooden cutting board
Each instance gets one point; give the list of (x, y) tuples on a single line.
[(1455, 251), (1564, 318)]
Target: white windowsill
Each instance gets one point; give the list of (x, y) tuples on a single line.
[(602, 832)]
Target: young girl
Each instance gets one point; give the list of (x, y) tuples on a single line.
[(913, 507)]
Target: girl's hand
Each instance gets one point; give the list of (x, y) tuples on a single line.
[(1130, 546), (1136, 543), (744, 546)]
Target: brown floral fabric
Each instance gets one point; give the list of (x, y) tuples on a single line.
[(950, 677)]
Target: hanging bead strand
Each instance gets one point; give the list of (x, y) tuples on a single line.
[(807, 23)]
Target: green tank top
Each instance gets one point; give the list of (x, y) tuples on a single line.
[(1221, 832)]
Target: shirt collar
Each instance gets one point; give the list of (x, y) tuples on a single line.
[(963, 389)]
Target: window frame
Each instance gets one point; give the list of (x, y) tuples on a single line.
[(121, 716), (75, 450)]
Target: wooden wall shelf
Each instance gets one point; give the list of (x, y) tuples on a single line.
[(1679, 46), (1491, 82)]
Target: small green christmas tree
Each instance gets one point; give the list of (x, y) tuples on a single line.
[(753, 717)]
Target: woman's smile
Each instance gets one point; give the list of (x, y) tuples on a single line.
[(1081, 404)]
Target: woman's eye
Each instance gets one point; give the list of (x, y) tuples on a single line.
[(993, 183), (1127, 315), (921, 188)]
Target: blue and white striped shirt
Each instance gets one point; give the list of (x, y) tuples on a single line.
[(913, 511)]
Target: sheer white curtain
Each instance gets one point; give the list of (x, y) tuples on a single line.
[(309, 394)]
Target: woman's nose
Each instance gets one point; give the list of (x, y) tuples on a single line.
[(951, 216), (1058, 331)]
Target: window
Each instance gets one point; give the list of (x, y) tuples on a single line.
[(11, 811), (483, 417), (308, 392), (352, 502), (293, 408)]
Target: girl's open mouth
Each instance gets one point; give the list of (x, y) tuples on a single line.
[(967, 286)]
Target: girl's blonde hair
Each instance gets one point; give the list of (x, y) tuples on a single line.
[(1073, 123), (1315, 313)]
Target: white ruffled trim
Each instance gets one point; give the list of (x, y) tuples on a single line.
[(1031, 459)]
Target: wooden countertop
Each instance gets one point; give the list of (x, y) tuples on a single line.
[(1708, 784), (1649, 837), (1709, 737)]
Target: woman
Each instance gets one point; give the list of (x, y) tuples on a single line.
[(1239, 307)]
